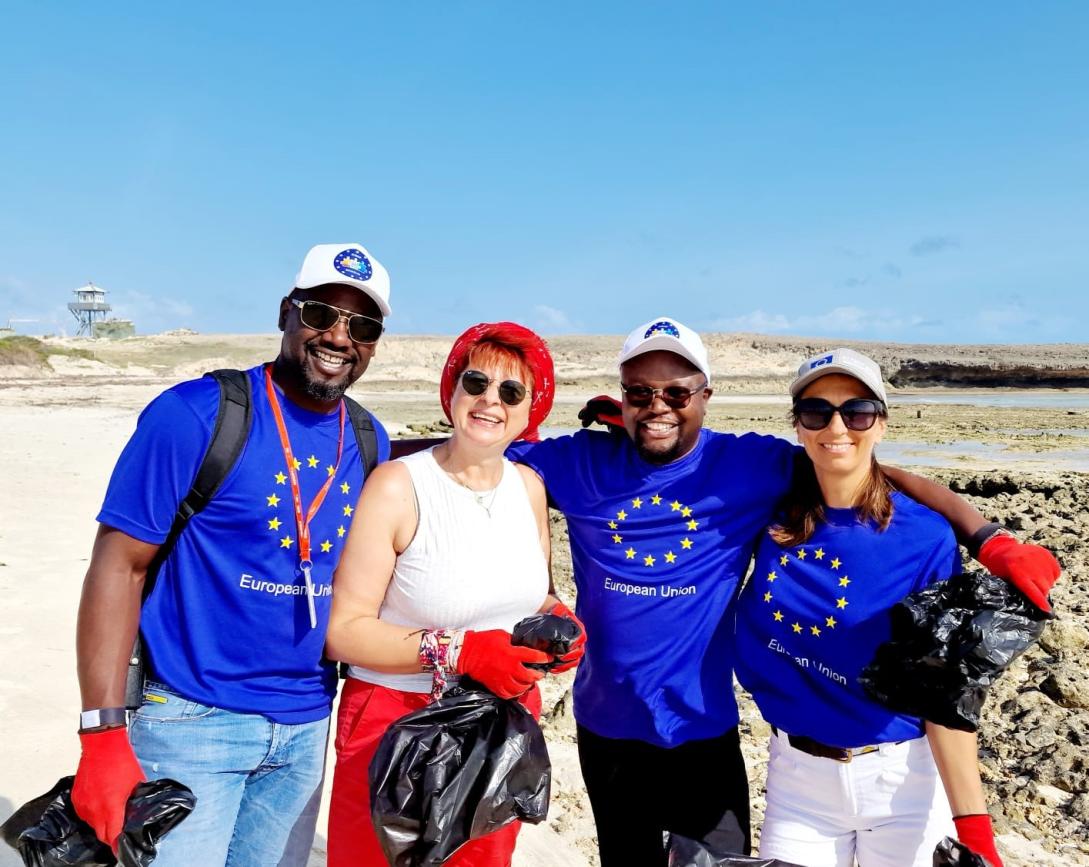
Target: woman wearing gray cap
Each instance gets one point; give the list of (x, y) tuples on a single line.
[(849, 779)]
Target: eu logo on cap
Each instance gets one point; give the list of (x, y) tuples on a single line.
[(353, 263), (663, 327), (827, 359)]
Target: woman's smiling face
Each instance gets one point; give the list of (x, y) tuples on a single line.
[(837, 449)]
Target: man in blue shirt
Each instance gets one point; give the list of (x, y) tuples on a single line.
[(238, 698), (663, 519)]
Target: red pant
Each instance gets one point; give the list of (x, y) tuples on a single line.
[(366, 711)]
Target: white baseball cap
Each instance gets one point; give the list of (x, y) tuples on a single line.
[(349, 264), (842, 360), (671, 336)]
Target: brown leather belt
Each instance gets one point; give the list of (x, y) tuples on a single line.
[(823, 751)]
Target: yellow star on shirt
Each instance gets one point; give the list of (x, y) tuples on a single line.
[(613, 525), (621, 515), (630, 554), (617, 538), (296, 463), (819, 553), (815, 630), (637, 503), (648, 560), (797, 627), (656, 500), (348, 511), (670, 556), (341, 531), (686, 543), (767, 596), (686, 512), (675, 506), (273, 500), (330, 469), (830, 622), (326, 546), (841, 602), (281, 479), (311, 462), (784, 560), (801, 553), (772, 576), (835, 562), (778, 615), (844, 581), (286, 542), (693, 524), (274, 524), (345, 487)]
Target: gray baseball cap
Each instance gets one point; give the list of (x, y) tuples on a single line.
[(842, 360)]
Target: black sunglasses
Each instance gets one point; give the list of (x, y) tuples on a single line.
[(511, 391), (674, 396), (323, 317), (859, 413)]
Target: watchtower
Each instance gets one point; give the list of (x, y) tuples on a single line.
[(90, 306)]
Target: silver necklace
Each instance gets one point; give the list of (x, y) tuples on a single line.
[(484, 499)]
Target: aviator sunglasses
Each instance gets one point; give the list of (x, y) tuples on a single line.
[(511, 391), (859, 413), (674, 396), (322, 317)]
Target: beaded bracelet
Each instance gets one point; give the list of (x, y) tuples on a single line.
[(438, 654)]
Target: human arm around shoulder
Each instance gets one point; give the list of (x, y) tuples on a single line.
[(956, 755), (1032, 569)]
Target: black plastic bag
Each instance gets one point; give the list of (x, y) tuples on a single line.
[(949, 643), (950, 853), (48, 833), (455, 770), (685, 852), (548, 633)]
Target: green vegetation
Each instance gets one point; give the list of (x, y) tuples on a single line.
[(31, 352)]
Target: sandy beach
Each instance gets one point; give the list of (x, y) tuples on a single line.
[(1021, 456)]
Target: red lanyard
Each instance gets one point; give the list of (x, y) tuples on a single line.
[(302, 525)]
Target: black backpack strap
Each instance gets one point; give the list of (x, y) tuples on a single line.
[(365, 436), (233, 421)]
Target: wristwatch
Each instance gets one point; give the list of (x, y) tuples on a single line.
[(102, 717), (984, 534)]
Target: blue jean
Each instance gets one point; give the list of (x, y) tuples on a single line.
[(258, 783)]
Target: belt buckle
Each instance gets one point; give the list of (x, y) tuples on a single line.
[(861, 751)]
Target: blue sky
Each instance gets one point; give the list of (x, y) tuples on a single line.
[(881, 170)]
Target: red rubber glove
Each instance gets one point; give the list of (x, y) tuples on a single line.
[(107, 774), (490, 659), (977, 833), (604, 410), (578, 647), (1031, 569)]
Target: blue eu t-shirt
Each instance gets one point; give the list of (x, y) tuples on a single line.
[(227, 623), (658, 552), (812, 616)]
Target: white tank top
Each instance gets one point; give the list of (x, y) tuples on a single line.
[(474, 563)]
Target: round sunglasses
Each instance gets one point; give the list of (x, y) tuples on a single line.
[(511, 391), (673, 396), (858, 413), (319, 316)]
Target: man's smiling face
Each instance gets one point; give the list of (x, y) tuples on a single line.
[(662, 433), (315, 368)]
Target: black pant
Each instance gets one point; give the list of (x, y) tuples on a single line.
[(638, 791)]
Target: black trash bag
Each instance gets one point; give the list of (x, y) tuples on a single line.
[(950, 642), (548, 633), (48, 833), (686, 852), (455, 770), (950, 853)]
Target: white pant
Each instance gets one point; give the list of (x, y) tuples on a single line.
[(885, 809)]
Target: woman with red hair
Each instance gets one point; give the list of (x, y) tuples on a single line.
[(448, 549)]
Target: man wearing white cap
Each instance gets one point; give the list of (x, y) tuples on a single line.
[(237, 699), (662, 524)]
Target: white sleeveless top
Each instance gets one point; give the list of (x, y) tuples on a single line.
[(467, 567)]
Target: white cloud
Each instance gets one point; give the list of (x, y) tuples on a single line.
[(552, 321), (848, 320)]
